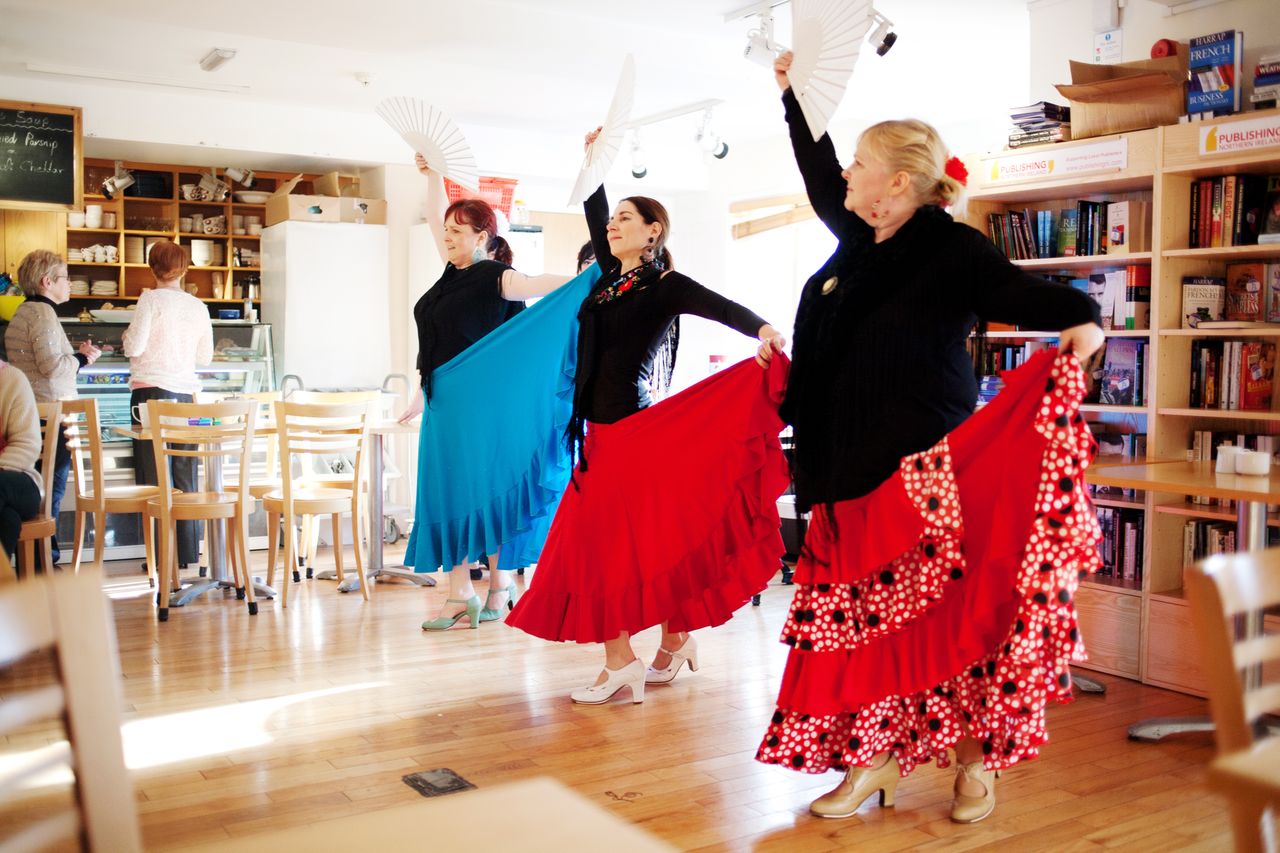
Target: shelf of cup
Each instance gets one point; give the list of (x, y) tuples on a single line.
[(206, 204), (246, 236), (141, 233), (147, 200), (247, 206), (113, 264), (91, 298), (93, 230), (202, 236), (246, 269)]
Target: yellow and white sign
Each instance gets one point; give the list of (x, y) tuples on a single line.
[(1111, 155), (1249, 135)]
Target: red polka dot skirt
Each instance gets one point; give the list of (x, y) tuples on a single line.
[(943, 603)]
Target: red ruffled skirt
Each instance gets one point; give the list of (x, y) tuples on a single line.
[(941, 605), (675, 519)]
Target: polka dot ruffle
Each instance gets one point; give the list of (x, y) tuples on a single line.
[(999, 699)]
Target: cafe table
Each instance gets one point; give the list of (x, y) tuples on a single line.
[(1198, 479), (217, 545)]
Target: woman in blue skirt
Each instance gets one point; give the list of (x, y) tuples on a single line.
[(486, 486)]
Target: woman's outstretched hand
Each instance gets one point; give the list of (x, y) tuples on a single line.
[(771, 341), (591, 137), (781, 69), (421, 163), (1083, 340)]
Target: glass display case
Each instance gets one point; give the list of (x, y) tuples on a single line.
[(243, 363)]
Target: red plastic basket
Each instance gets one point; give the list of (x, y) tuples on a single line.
[(498, 192)]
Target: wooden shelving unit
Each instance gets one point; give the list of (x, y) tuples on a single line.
[(1144, 631), (138, 216)]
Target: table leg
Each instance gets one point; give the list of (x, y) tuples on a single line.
[(376, 569), (1251, 535)]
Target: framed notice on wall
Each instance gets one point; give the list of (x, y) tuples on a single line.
[(40, 159)]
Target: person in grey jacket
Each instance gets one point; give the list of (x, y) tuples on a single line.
[(37, 345)]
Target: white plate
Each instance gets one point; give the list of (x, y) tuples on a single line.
[(112, 316), (254, 197)]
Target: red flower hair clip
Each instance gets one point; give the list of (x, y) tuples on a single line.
[(955, 169)]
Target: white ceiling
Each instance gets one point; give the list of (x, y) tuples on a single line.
[(526, 71)]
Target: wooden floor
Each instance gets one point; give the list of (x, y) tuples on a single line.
[(239, 724)]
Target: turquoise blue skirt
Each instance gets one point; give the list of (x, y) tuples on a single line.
[(492, 461)]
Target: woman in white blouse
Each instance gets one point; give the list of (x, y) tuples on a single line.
[(169, 337)]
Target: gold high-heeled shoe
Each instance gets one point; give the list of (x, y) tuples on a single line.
[(859, 783), (967, 809)]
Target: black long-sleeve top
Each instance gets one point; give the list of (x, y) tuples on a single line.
[(460, 309), (625, 333), (880, 368)]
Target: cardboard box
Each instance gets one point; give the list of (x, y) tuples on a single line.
[(302, 208), (1125, 96), (370, 211)]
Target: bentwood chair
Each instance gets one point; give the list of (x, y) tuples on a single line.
[(308, 430), (92, 495), (1243, 668), (66, 617), (209, 432), (44, 525)]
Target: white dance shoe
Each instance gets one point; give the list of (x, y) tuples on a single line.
[(688, 653), (631, 675)]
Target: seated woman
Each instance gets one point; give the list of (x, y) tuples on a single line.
[(19, 450)]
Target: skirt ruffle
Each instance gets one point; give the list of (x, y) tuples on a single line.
[(492, 463), (970, 629), (675, 519)]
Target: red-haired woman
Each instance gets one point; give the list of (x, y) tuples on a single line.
[(672, 517), (478, 292), (170, 335)]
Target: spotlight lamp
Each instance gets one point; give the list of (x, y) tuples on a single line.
[(709, 139), (638, 168), (883, 36), (121, 180), (761, 48), (243, 177)]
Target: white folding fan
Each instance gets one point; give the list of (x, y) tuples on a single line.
[(430, 132), (601, 153), (826, 37)]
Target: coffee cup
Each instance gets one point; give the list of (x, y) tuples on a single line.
[(110, 252), (139, 412), (108, 220), (1253, 463), (254, 229), (197, 223), (184, 224), (75, 219)]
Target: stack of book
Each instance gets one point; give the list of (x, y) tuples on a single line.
[(1234, 375), (1233, 210), (1266, 82), (1122, 540), (1038, 123), (1090, 228)]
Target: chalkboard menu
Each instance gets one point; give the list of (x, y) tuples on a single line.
[(40, 159)]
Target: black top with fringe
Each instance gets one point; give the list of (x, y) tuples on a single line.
[(880, 369)]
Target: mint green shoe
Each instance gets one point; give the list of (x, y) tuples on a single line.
[(490, 614), (444, 623)]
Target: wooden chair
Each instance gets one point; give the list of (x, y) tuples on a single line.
[(68, 615), (311, 429), (92, 495), (1226, 590), (318, 474), (207, 432), (43, 526)]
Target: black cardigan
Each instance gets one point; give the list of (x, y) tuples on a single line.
[(880, 366), (460, 309)]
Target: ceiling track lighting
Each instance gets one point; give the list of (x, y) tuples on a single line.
[(882, 36), (216, 58), (121, 180), (705, 136), (709, 139), (638, 168)]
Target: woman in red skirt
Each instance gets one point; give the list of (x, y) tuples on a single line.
[(935, 602), (671, 517)]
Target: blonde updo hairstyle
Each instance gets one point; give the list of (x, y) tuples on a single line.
[(914, 147)]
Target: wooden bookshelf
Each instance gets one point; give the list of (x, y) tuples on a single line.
[(1143, 631)]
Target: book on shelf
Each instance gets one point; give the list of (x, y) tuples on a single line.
[(1136, 310), (1232, 375), (1244, 291), (1230, 210), (1257, 374), (1120, 372), (1269, 229), (1123, 538), (1214, 62), (1128, 227), (1203, 299), (1068, 222)]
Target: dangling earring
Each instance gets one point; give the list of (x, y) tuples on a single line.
[(647, 254), (477, 254), (875, 207)]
